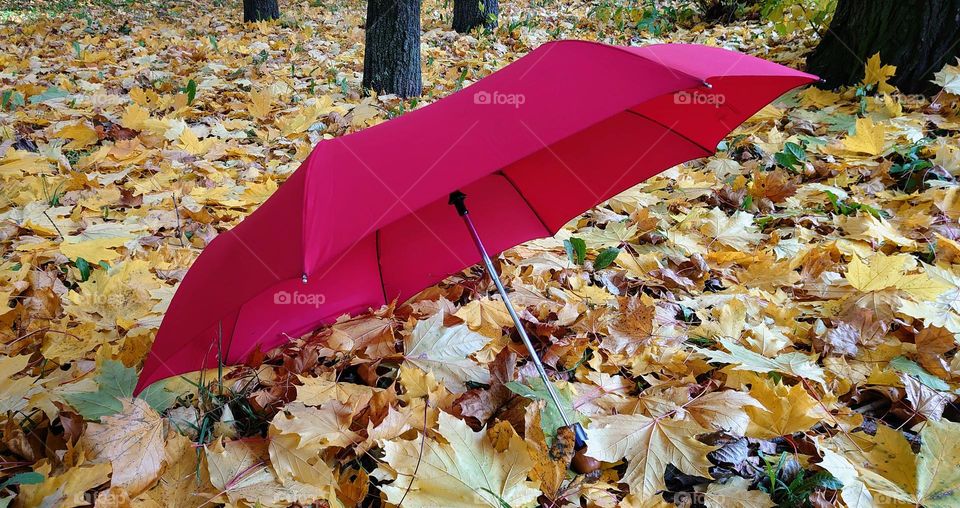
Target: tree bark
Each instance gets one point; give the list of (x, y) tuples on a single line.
[(469, 14), (259, 10), (918, 36), (391, 57)]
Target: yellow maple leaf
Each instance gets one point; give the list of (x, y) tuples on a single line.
[(134, 117), (949, 78), (464, 472), (868, 138), (314, 391), (649, 445), (445, 351), (877, 74), (736, 493), (785, 410), (316, 428), (192, 144), (14, 391), (81, 134), (260, 103), (485, 316), (888, 272), (178, 484), (737, 231), (66, 489), (138, 427), (93, 250), (884, 465), (722, 410)]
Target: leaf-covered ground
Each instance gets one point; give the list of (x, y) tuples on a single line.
[(779, 324)]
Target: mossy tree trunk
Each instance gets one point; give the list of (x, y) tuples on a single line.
[(391, 57), (259, 10), (469, 14), (918, 36)]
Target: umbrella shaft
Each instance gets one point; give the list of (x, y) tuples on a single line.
[(513, 315)]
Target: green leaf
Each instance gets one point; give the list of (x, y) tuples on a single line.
[(795, 150), (94, 405), (116, 382), (11, 98), (786, 160), (550, 419), (25, 478), (907, 366), (576, 249), (48, 95), (158, 396), (191, 90), (605, 258), (84, 268)]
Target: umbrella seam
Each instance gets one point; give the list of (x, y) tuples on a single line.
[(383, 287), (698, 79), (509, 180), (671, 129)]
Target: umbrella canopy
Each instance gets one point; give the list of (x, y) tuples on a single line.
[(366, 218)]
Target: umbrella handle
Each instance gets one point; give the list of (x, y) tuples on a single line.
[(457, 199)]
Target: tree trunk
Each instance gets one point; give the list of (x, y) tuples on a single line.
[(259, 10), (391, 58), (918, 36), (469, 14)]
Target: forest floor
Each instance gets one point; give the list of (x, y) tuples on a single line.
[(778, 328)]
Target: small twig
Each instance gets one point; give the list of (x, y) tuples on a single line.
[(54, 225), (423, 440)]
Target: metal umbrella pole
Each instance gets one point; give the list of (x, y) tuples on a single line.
[(457, 199)]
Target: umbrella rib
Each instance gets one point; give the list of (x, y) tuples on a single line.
[(671, 129), (524, 198), (383, 288)]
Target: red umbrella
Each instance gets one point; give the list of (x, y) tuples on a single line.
[(366, 218)]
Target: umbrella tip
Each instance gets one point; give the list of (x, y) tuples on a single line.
[(708, 85), (304, 278)]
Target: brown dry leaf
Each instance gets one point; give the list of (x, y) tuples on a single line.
[(932, 342), (633, 328), (924, 400), (773, 185), (373, 336), (241, 473)]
